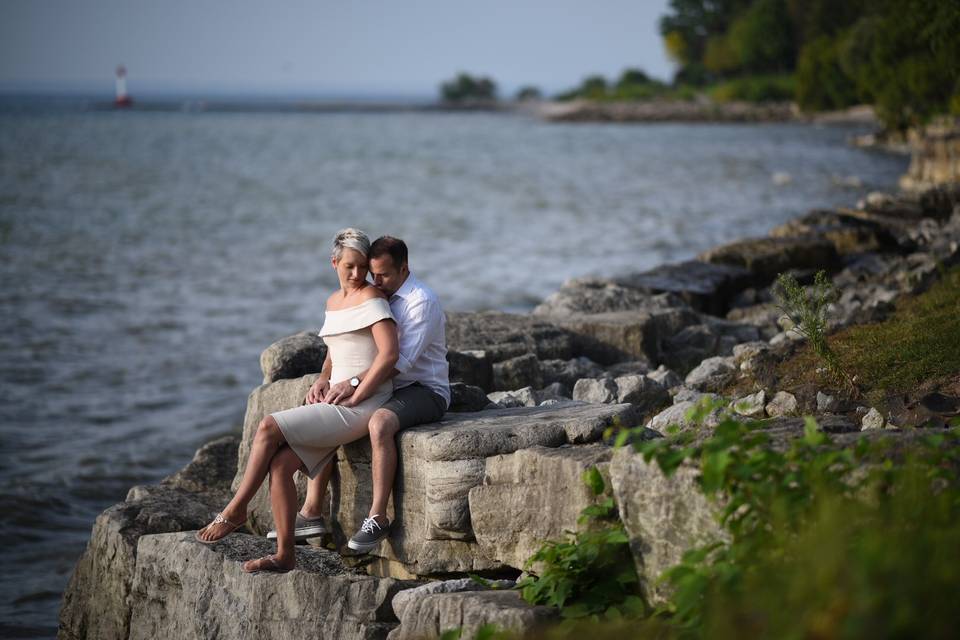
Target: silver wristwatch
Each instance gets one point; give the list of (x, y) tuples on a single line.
[(354, 382)]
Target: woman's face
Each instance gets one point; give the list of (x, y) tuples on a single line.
[(351, 268)]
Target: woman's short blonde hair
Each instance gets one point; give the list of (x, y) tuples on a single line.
[(350, 238)]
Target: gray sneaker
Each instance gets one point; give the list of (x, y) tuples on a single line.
[(304, 528), (370, 535)]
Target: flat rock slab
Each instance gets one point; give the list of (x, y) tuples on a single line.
[(767, 257), (705, 286), (185, 589), (505, 335), (431, 615)]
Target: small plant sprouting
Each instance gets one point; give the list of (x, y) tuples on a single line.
[(807, 310)]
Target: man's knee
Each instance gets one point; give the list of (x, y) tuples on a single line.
[(384, 425)]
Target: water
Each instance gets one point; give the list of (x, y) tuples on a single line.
[(147, 258)]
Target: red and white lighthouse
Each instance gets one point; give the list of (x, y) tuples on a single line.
[(122, 99)]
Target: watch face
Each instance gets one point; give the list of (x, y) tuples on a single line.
[(354, 382)]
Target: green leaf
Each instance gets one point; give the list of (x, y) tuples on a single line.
[(486, 632), (451, 634), (811, 432), (593, 480)]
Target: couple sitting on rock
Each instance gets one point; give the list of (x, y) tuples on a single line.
[(385, 370)]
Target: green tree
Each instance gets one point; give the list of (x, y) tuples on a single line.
[(467, 88), (764, 37), (528, 92)]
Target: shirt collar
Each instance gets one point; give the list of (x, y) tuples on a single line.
[(406, 288)]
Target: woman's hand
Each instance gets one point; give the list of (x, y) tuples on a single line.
[(339, 392), (318, 390)]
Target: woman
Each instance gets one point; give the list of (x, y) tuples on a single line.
[(361, 335)]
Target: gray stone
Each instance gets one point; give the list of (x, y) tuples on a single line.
[(751, 406), (704, 286), (767, 257), (595, 390), (872, 420), (465, 397), (642, 392), (503, 335), (629, 368), (712, 374), (471, 367), (96, 601), (429, 616), (592, 295), (666, 378), (567, 372), (185, 589), (763, 316), (664, 516), (458, 585), (521, 371), (525, 397), (531, 496), (782, 404), (293, 357)]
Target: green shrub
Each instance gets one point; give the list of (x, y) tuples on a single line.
[(755, 89)]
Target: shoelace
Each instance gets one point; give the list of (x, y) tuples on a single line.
[(369, 524)]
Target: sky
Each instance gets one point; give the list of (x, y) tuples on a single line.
[(344, 47)]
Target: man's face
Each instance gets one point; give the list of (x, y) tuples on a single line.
[(386, 275)]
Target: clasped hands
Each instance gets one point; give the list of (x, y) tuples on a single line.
[(322, 391)]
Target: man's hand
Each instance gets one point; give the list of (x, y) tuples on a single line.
[(339, 392), (318, 390)]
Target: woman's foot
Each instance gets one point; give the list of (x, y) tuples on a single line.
[(220, 528), (274, 564)]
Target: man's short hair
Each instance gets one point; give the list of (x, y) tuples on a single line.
[(388, 245)]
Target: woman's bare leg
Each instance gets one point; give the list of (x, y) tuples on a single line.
[(316, 492), (266, 442), (283, 501)]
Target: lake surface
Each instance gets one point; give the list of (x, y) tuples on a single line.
[(146, 260)]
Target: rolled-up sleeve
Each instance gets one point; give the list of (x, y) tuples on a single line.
[(420, 321)]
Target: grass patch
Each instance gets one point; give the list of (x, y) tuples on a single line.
[(918, 345)]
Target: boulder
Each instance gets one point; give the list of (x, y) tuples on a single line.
[(465, 397), (628, 368), (666, 378), (567, 372), (782, 404), (595, 390), (750, 406), (704, 286), (293, 357), (592, 295), (504, 335), (642, 392), (848, 234), (96, 601), (531, 496), (521, 371), (767, 257), (714, 337), (763, 316), (663, 516), (430, 615), (185, 589), (872, 420), (471, 367), (712, 374), (525, 397)]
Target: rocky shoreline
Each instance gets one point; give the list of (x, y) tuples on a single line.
[(534, 393)]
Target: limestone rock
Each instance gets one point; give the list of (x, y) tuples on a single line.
[(471, 367), (465, 397), (628, 368), (872, 420), (704, 286), (95, 603), (457, 585), (185, 589), (530, 496), (641, 391), (663, 516), (712, 374), (427, 617), (503, 335), (767, 257), (782, 404), (514, 373), (293, 357), (567, 372), (525, 397), (591, 295), (750, 406), (666, 378), (595, 390)]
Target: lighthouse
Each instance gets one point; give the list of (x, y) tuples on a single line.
[(122, 99)]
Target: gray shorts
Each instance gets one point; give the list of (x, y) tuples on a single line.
[(415, 404)]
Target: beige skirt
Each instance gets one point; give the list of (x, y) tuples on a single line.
[(314, 431)]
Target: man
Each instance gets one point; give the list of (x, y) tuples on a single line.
[(421, 390)]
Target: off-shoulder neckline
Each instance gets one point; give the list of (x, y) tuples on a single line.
[(356, 306)]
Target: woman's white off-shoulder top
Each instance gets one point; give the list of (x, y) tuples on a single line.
[(349, 338)]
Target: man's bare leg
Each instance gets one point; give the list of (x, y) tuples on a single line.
[(384, 425)]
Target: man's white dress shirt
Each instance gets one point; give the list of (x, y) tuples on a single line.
[(422, 338)]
